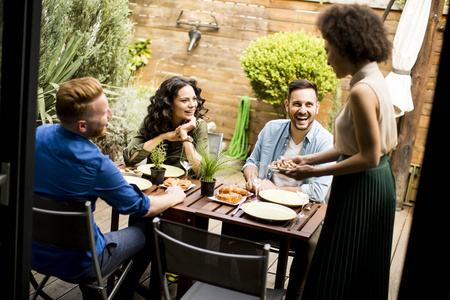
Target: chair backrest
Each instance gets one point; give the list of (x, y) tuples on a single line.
[(62, 224), (69, 225), (215, 259), (215, 142), (65, 225)]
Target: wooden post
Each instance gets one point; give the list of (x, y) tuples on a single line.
[(408, 124)]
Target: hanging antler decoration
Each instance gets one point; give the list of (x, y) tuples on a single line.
[(195, 34)]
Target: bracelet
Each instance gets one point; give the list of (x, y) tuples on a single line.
[(188, 139)]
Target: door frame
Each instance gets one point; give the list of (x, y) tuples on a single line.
[(18, 97)]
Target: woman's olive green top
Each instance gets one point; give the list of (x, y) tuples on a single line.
[(199, 134)]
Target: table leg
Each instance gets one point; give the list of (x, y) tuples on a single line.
[(114, 220), (201, 222), (155, 291), (183, 285), (282, 262)]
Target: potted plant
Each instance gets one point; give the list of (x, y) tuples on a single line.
[(158, 156), (210, 166)]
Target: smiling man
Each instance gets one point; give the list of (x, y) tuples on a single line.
[(300, 134)]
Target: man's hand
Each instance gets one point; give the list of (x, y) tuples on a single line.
[(267, 185), (172, 196), (176, 193)]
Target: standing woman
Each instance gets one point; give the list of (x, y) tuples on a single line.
[(352, 257), (174, 116)]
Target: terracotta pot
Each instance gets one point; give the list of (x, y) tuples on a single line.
[(157, 175), (207, 187)]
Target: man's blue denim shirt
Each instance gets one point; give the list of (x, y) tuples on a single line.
[(272, 143)]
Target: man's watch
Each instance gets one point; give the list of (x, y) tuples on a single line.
[(188, 139)]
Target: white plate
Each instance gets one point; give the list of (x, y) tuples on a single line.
[(190, 187), (141, 183), (171, 171), (269, 211), (284, 197), (213, 198)]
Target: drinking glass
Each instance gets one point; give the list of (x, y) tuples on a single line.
[(262, 174), (185, 162), (301, 195), (311, 190)]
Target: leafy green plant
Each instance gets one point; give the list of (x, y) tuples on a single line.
[(81, 38), (158, 155), (212, 165), (128, 105), (271, 62), (105, 23), (140, 54), (59, 68)]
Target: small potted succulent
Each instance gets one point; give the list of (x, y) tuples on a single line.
[(158, 155)]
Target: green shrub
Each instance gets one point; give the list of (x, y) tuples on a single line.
[(271, 62), (129, 106), (81, 38), (103, 24)]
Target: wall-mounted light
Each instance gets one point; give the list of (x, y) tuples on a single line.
[(195, 34)]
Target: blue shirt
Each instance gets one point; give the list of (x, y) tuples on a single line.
[(70, 167), (273, 141)]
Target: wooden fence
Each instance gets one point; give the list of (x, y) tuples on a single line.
[(215, 62)]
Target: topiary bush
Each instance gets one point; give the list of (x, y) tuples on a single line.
[(271, 62)]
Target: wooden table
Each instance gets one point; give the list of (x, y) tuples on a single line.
[(196, 210)]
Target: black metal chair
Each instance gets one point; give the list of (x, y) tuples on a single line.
[(223, 267), (215, 143), (69, 225)]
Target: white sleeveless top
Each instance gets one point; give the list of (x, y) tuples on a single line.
[(344, 130)]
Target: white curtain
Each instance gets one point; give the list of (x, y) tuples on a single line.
[(407, 43)]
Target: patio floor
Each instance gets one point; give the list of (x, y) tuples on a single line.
[(65, 291)]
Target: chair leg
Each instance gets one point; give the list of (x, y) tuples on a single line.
[(121, 279), (38, 288)]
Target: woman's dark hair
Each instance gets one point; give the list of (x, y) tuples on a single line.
[(356, 31), (159, 116), (301, 84)]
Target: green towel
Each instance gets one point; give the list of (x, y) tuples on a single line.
[(239, 141)]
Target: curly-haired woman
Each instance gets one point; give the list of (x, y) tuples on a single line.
[(352, 257), (174, 116)]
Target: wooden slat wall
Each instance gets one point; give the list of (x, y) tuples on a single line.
[(215, 62)]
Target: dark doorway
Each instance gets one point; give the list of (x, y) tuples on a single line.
[(20, 31)]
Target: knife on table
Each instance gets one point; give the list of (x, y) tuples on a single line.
[(294, 222), (237, 209)]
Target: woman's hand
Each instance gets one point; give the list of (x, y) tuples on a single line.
[(188, 126), (173, 136), (301, 172), (299, 160)]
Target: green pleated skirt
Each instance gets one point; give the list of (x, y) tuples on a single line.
[(352, 257)]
